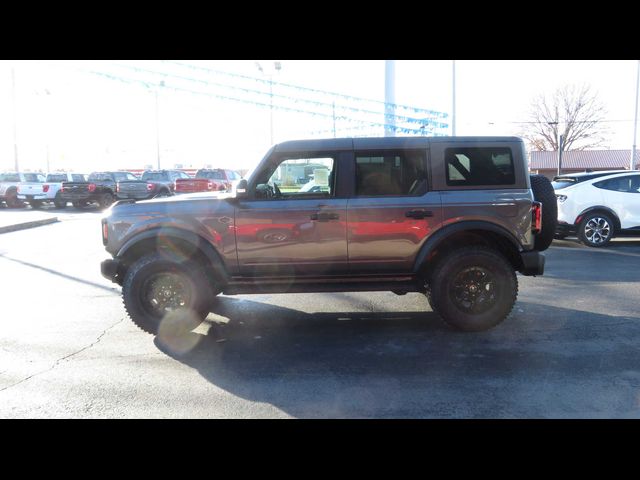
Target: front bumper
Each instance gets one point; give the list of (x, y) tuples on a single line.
[(110, 270), (532, 263)]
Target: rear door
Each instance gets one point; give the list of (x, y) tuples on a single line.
[(392, 211)]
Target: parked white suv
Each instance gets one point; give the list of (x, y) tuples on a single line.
[(600, 208)]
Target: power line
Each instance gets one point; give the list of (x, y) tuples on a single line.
[(399, 118), (325, 92), (148, 84)]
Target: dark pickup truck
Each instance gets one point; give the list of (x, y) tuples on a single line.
[(100, 189), (152, 183)]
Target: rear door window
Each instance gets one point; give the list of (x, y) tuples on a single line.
[(479, 166)]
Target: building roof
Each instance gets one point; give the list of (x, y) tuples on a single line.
[(581, 159)]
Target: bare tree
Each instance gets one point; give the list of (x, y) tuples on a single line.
[(575, 112)]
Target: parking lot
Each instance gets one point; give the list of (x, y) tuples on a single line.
[(67, 349)]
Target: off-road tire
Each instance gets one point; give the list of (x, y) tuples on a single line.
[(12, 198), (444, 288), (136, 286), (106, 199), (59, 202), (543, 192)]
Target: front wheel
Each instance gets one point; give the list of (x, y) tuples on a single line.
[(158, 291), (596, 229), (473, 288)]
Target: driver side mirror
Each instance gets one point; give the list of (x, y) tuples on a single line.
[(242, 189)]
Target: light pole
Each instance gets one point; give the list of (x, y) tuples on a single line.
[(157, 112), (560, 144), (453, 99), (15, 121), (389, 98), (46, 93), (632, 166), (277, 66)]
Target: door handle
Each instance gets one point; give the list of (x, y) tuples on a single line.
[(418, 214), (324, 216)]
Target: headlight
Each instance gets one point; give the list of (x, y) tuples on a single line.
[(561, 198)]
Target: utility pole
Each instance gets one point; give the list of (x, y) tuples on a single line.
[(633, 163), (157, 129), (560, 148), (333, 105), (453, 98), (389, 98), (15, 120)]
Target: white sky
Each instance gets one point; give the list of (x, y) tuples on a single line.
[(90, 122)]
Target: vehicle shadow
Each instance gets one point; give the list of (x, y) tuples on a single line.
[(398, 364)]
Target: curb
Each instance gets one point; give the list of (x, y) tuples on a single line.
[(25, 225)]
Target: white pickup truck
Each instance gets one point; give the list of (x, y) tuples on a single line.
[(48, 190), (9, 186)]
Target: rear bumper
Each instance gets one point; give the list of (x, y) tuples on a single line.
[(532, 263), (565, 229), (109, 269), (135, 196), (42, 196)]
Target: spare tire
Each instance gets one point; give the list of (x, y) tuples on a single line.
[(544, 193)]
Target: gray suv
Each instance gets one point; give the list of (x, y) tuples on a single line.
[(452, 217)]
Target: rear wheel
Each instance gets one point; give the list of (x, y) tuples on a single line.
[(596, 229), (158, 291), (106, 199), (543, 192), (59, 202), (473, 288), (11, 197)]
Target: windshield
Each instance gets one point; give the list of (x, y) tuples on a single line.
[(154, 176), (33, 177), (212, 174), (121, 176), (57, 177), (563, 183)]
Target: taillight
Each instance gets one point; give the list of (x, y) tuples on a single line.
[(105, 232), (536, 217), (18, 189), (45, 188), (117, 188), (92, 187), (210, 186), (150, 186)]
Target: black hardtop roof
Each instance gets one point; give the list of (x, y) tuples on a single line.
[(379, 142)]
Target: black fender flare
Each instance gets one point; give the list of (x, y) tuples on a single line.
[(197, 241), (596, 208), (441, 235)]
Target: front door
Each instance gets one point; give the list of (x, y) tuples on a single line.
[(292, 222)]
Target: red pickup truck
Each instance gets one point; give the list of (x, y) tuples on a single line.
[(207, 180)]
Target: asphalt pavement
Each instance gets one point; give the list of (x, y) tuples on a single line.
[(68, 350)]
